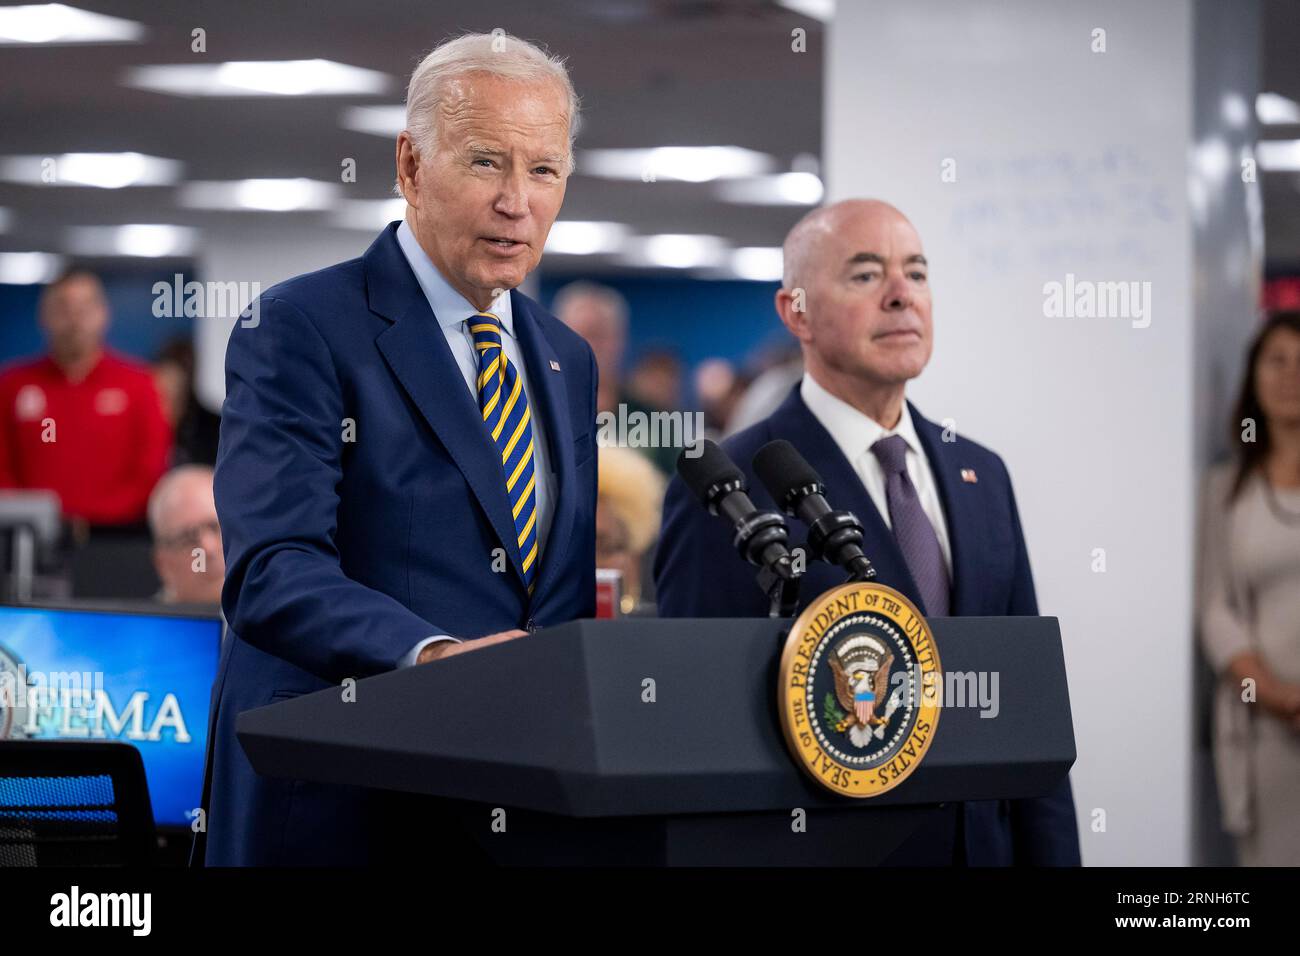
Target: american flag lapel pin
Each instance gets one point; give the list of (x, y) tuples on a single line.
[(968, 476), (555, 366)]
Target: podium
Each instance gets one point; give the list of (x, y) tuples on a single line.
[(650, 741)]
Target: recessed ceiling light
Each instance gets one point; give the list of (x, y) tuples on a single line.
[(137, 239), (823, 10), (104, 170), (676, 251), (1235, 109), (692, 164), (586, 238), (368, 214), (385, 121), (781, 189), (1274, 108), (263, 195), (259, 78), (1278, 155), (29, 268), (759, 263), (34, 23)]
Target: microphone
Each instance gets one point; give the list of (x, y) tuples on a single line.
[(833, 536), (761, 537)]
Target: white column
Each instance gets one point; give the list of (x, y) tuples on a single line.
[(1034, 142)]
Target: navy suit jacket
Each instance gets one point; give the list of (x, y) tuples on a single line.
[(699, 574), (343, 551)]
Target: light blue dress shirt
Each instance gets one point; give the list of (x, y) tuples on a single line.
[(453, 311)]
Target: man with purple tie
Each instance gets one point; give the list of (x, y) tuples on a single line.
[(940, 516)]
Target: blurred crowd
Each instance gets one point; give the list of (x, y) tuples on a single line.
[(632, 479), (122, 450)]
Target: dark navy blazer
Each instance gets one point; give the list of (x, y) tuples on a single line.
[(698, 574), (341, 555)]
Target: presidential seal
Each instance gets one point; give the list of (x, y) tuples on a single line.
[(859, 689)]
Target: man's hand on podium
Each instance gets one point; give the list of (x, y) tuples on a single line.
[(449, 648)]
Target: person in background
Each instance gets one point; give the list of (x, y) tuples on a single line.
[(718, 388), (655, 381), (629, 501), (196, 428), (599, 315), (655, 385), (82, 421), (768, 386), (1249, 612), (186, 537)]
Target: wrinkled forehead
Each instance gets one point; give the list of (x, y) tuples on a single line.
[(869, 233), (482, 104)]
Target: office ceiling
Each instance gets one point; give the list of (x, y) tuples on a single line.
[(650, 72)]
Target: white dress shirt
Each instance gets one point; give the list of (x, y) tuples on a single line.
[(453, 311), (855, 433)]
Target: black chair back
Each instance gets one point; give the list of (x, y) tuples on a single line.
[(74, 803)]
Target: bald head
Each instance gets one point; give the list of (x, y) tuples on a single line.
[(805, 244), (187, 536), (855, 293)]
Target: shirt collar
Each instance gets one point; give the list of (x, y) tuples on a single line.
[(853, 431), (449, 306)]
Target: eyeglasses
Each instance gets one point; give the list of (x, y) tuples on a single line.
[(192, 536)]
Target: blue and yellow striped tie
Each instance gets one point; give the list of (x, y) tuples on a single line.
[(505, 412)]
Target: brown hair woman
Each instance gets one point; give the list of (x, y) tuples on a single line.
[(1249, 613)]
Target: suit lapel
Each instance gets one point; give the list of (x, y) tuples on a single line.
[(546, 378), (418, 355), (845, 491), (960, 511)]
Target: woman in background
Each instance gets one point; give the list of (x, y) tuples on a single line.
[(1250, 604), (629, 504)]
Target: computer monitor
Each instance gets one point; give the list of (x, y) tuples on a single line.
[(140, 674)]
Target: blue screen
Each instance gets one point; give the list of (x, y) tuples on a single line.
[(137, 678)]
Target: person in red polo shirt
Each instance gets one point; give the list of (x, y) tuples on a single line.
[(82, 421)]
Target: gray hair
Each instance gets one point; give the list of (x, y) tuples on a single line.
[(497, 54)]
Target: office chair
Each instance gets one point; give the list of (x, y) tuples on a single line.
[(74, 803)]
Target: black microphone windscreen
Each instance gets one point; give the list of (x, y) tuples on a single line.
[(712, 466), (781, 468)]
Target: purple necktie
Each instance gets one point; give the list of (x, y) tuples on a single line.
[(912, 529)]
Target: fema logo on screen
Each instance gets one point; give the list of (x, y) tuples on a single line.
[(13, 695)]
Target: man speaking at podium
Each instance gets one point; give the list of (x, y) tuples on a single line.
[(940, 516), (407, 458)]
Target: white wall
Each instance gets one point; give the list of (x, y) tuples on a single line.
[(1067, 161)]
